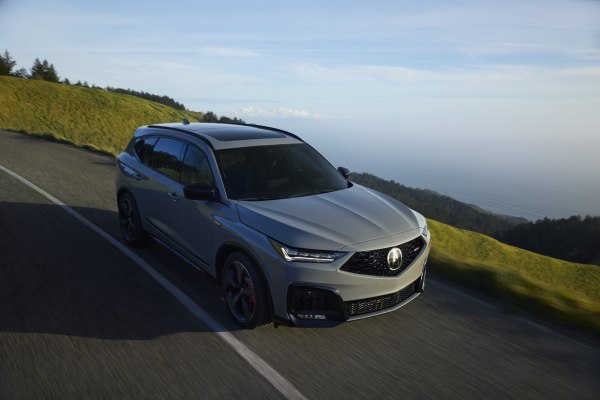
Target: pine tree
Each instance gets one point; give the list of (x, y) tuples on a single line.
[(210, 116), (6, 63), (42, 70), (51, 75), (37, 70)]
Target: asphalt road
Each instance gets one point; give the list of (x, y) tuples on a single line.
[(79, 319)]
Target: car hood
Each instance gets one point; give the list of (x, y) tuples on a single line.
[(329, 221)]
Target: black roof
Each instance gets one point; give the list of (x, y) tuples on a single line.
[(231, 132), (216, 133)]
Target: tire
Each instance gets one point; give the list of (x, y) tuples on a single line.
[(245, 291), (130, 221)]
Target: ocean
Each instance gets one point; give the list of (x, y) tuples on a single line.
[(530, 197), (531, 193)]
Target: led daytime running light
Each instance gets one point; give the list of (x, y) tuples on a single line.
[(303, 255)]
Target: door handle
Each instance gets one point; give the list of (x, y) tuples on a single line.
[(173, 196)]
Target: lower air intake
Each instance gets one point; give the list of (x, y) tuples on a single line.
[(374, 304), (311, 301)]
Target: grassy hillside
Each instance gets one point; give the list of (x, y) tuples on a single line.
[(83, 116), (564, 291)]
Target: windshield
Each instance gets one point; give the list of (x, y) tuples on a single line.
[(276, 172)]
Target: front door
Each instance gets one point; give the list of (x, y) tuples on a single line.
[(192, 221)]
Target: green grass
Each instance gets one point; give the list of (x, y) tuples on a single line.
[(92, 118), (566, 292)]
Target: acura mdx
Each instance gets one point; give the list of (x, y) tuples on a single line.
[(289, 237)]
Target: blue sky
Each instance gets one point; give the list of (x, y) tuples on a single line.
[(509, 87)]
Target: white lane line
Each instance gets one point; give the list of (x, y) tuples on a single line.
[(275, 378)]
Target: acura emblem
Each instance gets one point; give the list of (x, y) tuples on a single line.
[(394, 259)]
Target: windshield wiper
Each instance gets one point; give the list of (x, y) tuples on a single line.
[(313, 192), (292, 195)]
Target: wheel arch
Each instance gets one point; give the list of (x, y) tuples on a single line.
[(231, 247), (121, 192)]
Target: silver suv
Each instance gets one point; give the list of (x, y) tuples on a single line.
[(288, 236)]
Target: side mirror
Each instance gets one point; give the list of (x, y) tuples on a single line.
[(201, 191), (345, 172)]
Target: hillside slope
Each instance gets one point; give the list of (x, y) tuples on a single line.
[(562, 290), (83, 116)]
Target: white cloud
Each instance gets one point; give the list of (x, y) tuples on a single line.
[(227, 52), (476, 77), (592, 72), (510, 48), (281, 112), (586, 54), (356, 72)]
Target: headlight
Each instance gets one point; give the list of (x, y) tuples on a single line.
[(304, 255), (425, 230)]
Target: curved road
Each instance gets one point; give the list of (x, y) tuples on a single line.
[(81, 319)]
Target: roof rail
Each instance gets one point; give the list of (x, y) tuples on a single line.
[(198, 135)]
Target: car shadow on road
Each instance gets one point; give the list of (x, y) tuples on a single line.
[(57, 276)]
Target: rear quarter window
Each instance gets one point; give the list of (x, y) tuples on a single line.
[(143, 149)]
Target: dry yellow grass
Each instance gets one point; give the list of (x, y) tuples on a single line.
[(83, 116), (565, 291)]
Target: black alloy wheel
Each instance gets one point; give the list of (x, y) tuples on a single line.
[(245, 292), (130, 221)]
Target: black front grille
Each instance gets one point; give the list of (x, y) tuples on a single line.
[(307, 300), (374, 262), (365, 306)]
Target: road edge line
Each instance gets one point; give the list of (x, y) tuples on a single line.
[(261, 366)]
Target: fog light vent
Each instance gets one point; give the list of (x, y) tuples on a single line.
[(315, 303)]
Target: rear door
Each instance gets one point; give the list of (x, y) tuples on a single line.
[(153, 194)]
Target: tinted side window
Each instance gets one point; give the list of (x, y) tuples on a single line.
[(143, 149), (195, 167), (166, 156)]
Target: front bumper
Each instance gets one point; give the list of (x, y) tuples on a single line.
[(307, 294)]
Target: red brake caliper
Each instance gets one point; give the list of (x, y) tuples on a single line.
[(249, 284)]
